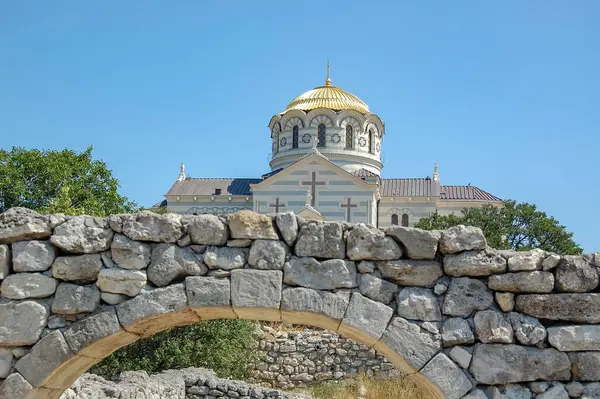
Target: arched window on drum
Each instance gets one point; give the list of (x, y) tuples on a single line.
[(371, 141), (295, 137), (349, 137), (394, 220), (405, 220), (321, 134)]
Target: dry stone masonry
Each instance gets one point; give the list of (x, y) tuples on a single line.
[(460, 319)]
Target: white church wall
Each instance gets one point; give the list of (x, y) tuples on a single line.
[(216, 204), (416, 209)]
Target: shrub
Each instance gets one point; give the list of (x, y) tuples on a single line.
[(229, 347)]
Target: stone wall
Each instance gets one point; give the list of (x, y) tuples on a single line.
[(458, 318), (293, 359)]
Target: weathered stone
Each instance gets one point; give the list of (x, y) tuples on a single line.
[(533, 282), (321, 240), (327, 275), (557, 391), (493, 327), (225, 257), (170, 262), (91, 329), (474, 264), (440, 289), (451, 380), (366, 243), (538, 386), (18, 224), (156, 302), (461, 238), (6, 360), (113, 299), (22, 322), (288, 227), (591, 390), (377, 289), (528, 330), (575, 274), (551, 262), (267, 254), (28, 285), (249, 224), (366, 267), (513, 391), (456, 331), (14, 386), (149, 226), (419, 244), (574, 389), (207, 230), (208, 291), (581, 308), (476, 394), (415, 303), (465, 295), (184, 241), (368, 316), (33, 256), (526, 261), (320, 302), (421, 273), (575, 338), (119, 281), (83, 235), (505, 300), (585, 366), (505, 364), (4, 261), (82, 268), (238, 243), (44, 358), (129, 254), (461, 356), (407, 339), (256, 288), (71, 299)]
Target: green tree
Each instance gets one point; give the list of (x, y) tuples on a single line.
[(59, 181), (519, 226)]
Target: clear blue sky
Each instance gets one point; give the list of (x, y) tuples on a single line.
[(503, 95)]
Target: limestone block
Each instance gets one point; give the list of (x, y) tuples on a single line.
[(72, 299), (113, 299), (119, 281), (451, 380), (365, 316), (526, 260), (377, 289), (33, 256), (17, 224), (415, 345), (321, 240), (460, 356), (225, 257), (528, 330), (591, 390), (505, 300), (327, 275), (258, 289), (538, 386), (585, 366), (170, 262), (288, 227), (476, 394), (557, 391), (149, 226), (82, 268), (28, 285), (15, 386), (420, 273), (249, 224), (6, 360), (415, 303), (267, 254), (207, 230), (419, 244), (466, 295), (505, 364), (319, 308), (575, 338), (512, 391), (4, 261), (551, 262), (366, 267), (456, 331), (474, 264), (493, 327), (574, 389), (461, 238), (22, 323), (575, 274), (129, 254), (367, 243), (156, 310), (83, 235), (209, 297), (581, 308)]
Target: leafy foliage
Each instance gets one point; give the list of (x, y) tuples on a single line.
[(229, 347), (59, 181), (518, 226)]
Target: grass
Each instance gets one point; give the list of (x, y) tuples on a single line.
[(400, 388)]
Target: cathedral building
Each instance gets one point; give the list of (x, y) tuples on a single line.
[(326, 165)]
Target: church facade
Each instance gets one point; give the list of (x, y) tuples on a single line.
[(326, 164)]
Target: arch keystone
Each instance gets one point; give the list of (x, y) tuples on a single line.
[(256, 294), (310, 307), (210, 297), (365, 319)]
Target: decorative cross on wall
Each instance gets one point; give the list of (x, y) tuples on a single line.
[(348, 205), (277, 205), (313, 183)]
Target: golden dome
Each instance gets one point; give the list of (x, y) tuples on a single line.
[(328, 96)]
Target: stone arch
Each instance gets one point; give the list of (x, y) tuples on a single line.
[(273, 120), (289, 125), (321, 115), (348, 113), (374, 119), (294, 114)]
